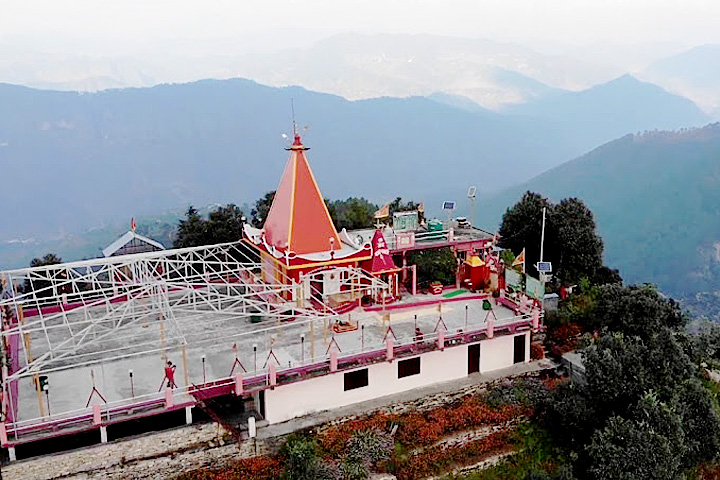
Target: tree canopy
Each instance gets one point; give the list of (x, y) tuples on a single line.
[(353, 213), (223, 224), (434, 264), (571, 243), (642, 411), (260, 211)]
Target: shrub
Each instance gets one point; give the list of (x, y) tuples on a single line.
[(537, 352)]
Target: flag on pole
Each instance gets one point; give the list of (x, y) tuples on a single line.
[(520, 260), (383, 212), (132, 224)]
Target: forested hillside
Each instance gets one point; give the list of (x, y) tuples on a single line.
[(656, 198)]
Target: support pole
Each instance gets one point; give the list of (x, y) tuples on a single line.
[(185, 365), (312, 341), (103, 434), (188, 415), (414, 280)]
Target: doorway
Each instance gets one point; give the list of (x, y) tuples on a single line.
[(473, 358)]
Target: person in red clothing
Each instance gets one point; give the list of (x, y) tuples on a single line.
[(170, 374)]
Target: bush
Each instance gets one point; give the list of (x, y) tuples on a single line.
[(537, 352), (300, 457)]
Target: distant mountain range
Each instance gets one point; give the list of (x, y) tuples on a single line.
[(656, 199), (354, 66), (694, 74), (80, 160)]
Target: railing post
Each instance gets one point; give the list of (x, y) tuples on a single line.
[(441, 339), (390, 343), (272, 373), (238, 384), (333, 360), (168, 397), (3, 434), (490, 328), (97, 415), (535, 319)]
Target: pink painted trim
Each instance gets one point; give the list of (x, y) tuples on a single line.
[(401, 306), (85, 422)]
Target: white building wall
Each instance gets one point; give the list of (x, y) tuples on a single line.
[(327, 392), (499, 352)]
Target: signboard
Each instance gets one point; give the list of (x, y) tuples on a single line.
[(513, 278), (405, 221), (533, 287), (448, 205), (544, 267)]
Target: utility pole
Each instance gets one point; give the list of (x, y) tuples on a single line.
[(542, 274), (542, 235)]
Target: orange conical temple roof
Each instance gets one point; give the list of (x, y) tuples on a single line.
[(299, 220)]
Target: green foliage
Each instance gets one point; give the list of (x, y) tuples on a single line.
[(635, 310), (437, 264), (569, 415), (530, 392), (261, 209), (353, 213), (537, 457), (630, 450), (41, 287), (507, 256), (300, 457), (619, 369), (698, 412), (571, 242), (398, 205), (48, 259), (224, 224)]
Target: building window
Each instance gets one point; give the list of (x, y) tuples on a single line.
[(409, 367), (356, 379)]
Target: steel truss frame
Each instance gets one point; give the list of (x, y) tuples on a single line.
[(64, 313)]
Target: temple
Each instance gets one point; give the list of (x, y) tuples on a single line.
[(291, 319), (299, 243)]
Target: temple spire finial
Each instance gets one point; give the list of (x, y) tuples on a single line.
[(297, 142)]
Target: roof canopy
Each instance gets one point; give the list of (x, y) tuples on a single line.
[(299, 220), (131, 242)]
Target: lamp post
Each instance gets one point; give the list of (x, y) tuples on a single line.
[(132, 385), (203, 365), (255, 355), (302, 349)]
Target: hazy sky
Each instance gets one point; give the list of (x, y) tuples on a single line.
[(127, 25)]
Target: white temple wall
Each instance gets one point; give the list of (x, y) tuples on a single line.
[(328, 392)]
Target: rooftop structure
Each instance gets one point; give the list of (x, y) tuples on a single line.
[(131, 242)]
